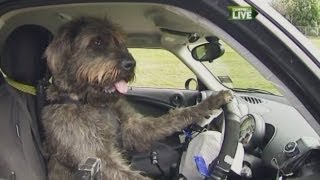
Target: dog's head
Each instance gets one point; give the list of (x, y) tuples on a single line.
[(90, 52)]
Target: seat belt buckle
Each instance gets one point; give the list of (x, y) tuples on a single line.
[(90, 170)]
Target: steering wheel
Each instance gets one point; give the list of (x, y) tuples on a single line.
[(220, 167)]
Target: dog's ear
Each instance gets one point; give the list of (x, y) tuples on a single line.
[(57, 52), (60, 49)]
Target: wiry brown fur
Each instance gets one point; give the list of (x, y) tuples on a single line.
[(93, 122)]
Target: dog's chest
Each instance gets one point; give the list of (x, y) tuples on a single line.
[(84, 130), (110, 123), (93, 126), (111, 119)]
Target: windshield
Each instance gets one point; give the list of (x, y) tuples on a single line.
[(236, 73)]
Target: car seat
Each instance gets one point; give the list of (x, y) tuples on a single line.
[(20, 139)]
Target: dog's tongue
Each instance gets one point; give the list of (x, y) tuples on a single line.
[(121, 86)]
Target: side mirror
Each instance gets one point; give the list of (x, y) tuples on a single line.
[(207, 51)]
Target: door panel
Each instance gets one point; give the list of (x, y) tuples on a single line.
[(158, 101)]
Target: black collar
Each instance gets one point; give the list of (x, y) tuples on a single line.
[(67, 100)]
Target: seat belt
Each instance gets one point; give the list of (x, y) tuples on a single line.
[(21, 87)]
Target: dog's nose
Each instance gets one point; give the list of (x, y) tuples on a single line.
[(128, 64)]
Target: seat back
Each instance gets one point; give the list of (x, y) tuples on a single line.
[(22, 62)]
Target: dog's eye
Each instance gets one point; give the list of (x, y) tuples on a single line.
[(97, 42)]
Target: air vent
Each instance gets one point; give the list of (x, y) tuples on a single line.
[(252, 100)]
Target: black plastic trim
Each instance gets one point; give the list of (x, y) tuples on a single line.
[(143, 99)]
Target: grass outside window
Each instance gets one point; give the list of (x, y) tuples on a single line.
[(160, 69)]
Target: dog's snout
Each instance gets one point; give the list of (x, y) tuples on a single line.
[(128, 64)]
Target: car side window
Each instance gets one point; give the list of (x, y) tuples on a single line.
[(159, 68)]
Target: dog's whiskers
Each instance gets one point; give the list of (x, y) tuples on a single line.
[(98, 73), (114, 73)]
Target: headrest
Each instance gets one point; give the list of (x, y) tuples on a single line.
[(22, 58)]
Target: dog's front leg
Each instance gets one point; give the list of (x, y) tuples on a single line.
[(138, 132)]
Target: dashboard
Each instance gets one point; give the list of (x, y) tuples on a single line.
[(267, 125), (271, 131), (270, 124)]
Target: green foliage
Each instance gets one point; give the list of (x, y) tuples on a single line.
[(299, 12)]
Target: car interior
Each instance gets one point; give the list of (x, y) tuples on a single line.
[(269, 146), (22, 62)]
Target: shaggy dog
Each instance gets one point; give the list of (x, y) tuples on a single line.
[(88, 115)]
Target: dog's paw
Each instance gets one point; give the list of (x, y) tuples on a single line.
[(218, 100), (225, 97), (228, 96)]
